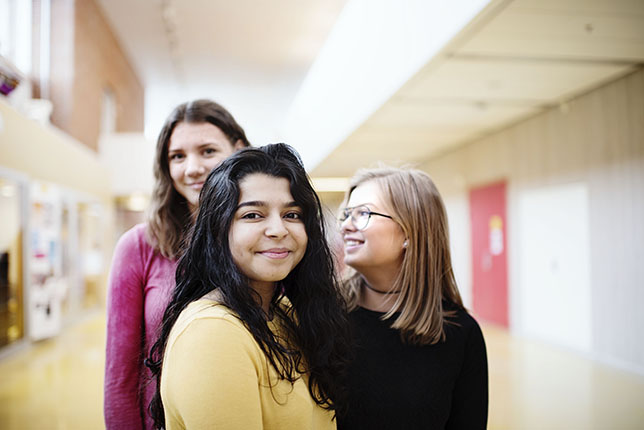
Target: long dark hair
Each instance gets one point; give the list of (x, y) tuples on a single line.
[(315, 323), (169, 214)]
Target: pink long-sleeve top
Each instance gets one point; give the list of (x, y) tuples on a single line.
[(140, 286)]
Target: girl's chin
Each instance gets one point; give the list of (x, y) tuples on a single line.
[(354, 263)]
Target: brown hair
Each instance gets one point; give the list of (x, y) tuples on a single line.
[(426, 278), (169, 213)]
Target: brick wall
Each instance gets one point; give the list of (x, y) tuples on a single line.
[(87, 59)]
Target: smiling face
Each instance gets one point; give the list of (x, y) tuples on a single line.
[(194, 150), (378, 248), (267, 237)]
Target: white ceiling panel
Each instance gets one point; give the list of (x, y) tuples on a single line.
[(386, 142), (502, 80), (397, 144), (595, 7), (369, 150), (397, 138), (444, 117), (607, 30)]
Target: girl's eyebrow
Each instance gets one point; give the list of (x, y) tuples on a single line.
[(203, 145), (259, 203), (362, 204), (251, 203)]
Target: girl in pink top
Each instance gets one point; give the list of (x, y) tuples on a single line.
[(196, 137)]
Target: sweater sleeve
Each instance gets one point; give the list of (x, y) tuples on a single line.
[(125, 338), (211, 377), (470, 398)]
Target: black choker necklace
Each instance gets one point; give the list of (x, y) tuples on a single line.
[(379, 292)]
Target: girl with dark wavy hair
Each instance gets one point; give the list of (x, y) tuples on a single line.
[(196, 137), (255, 336)]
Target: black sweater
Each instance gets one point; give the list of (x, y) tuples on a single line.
[(393, 385)]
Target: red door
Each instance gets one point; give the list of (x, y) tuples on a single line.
[(489, 251)]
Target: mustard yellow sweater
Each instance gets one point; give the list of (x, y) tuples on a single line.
[(215, 376)]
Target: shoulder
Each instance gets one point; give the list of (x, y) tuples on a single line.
[(131, 255), (134, 245), (466, 319), (463, 324), (209, 318), (210, 309), (134, 238), (208, 336)]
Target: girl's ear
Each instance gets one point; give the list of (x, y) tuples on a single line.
[(239, 145)]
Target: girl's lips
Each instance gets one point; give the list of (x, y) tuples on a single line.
[(275, 253), (351, 244), (351, 241), (196, 185)]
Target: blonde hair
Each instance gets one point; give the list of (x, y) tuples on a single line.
[(425, 278)]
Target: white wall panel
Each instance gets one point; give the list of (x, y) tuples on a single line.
[(458, 214), (596, 139), (554, 265)]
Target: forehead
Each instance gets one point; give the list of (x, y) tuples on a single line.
[(191, 133), (264, 188), (367, 193)]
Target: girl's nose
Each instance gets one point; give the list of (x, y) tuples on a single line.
[(275, 226), (347, 225), (194, 168)]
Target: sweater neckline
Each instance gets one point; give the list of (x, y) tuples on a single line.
[(373, 313)]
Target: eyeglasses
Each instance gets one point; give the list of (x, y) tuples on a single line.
[(360, 216)]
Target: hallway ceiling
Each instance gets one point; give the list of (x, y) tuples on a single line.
[(192, 40), (249, 55), (517, 59)]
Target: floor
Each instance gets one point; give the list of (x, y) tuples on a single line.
[(57, 384), (536, 386)]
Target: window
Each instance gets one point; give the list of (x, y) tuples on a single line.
[(16, 26)]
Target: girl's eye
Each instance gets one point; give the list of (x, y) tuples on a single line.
[(251, 215), (176, 157), (209, 151), (293, 215)]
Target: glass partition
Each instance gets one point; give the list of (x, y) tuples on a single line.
[(90, 247), (11, 261)]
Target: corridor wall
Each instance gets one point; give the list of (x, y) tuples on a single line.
[(43, 157), (593, 147), (47, 154), (87, 64)]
